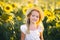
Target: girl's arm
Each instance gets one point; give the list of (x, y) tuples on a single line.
[(22, 36), (41, 36), (42, 29)]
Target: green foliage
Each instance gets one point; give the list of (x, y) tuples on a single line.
[(8, 30), (51, 31), (1, 11)]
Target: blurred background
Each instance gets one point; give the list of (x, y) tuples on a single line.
[(13, 13)]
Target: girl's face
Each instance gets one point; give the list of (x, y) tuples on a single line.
[(34, 17)]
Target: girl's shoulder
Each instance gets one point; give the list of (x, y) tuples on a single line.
[(23, 28), (24, 25), (41, 27)]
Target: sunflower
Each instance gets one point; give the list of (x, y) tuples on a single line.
[(51, 18), (7, 8), (58, 24), (19, 18), (50, 15), (24, 9), (30, 5), (2, 3), (14, 5), (47, 13), (10, 17)]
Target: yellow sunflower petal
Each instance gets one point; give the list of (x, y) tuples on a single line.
[(57, 24), (19, 18), (51, 17), (47, 13), (10, 17)]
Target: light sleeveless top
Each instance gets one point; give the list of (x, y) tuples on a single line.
[(33, 35)]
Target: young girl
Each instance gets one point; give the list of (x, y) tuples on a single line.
[(33, 29)]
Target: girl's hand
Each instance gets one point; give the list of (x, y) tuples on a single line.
[(22, 36), (41, 36)]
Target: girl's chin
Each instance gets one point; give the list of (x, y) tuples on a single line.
[(34, 22)]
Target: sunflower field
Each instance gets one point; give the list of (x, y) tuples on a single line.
[(13, 15)]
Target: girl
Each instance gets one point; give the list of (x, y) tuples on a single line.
[(33, 29)]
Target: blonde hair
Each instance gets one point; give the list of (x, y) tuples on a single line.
[(28, 15)]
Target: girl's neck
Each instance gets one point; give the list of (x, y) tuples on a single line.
[(33, 24)]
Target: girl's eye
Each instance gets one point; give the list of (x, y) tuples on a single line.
[(37, 16), (33, 15)]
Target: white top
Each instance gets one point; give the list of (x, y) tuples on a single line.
[(33, 35)]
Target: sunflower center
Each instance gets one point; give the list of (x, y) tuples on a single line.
[(13, 5), (25, 10), (7, 8)]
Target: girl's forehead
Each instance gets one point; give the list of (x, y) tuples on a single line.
[(34, 12)]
